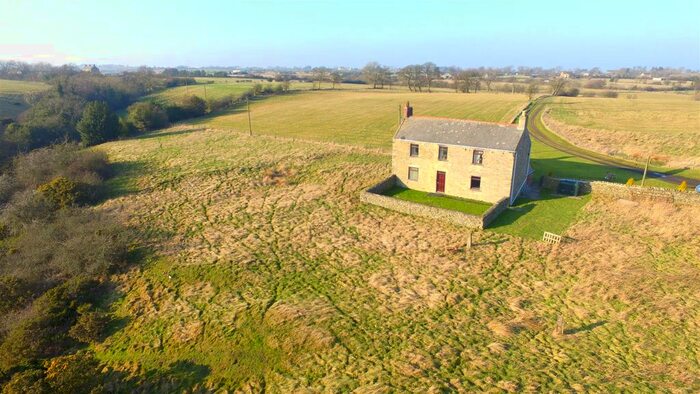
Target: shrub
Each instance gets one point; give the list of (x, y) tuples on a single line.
[(75, 242), (73, 373), (43, 334), (683, 186), (42, 165), (27, 381), (609, 94), (630, 182), (193, 106), (147, 116), (595, 84), (573, 92), (61, 191), (98, 124), (14, 293), (90, 325)]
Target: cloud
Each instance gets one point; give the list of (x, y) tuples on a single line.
[(34, 53)]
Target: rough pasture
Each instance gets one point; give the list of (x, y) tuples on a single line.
[(665, 125), (12, 101), (266, 273)]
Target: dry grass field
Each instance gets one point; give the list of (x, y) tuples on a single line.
[(665, 125), (265, 273), (362, 117), (12, 102)]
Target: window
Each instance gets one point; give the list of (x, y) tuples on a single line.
[(476, 183), (412, 173), (442, 153), (478, 157), (414, 150)]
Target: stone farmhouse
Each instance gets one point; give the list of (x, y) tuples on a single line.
[(463, 158)]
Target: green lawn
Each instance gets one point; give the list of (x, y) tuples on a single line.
[(530, 218), (471, 207)]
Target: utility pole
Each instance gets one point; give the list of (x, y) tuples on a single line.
[(399, 115), (250, 127), (646, 167)]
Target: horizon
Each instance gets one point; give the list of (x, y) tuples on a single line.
[(286, 34)]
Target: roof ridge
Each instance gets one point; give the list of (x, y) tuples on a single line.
[(465, 120)]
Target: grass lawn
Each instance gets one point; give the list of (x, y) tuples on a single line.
[(530, 218), (471, 207)]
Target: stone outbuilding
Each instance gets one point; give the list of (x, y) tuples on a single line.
[(463, 158)]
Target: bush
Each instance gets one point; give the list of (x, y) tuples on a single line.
[(595, 84), (683, 186), (43, 165), (73, 373), (573, 92), (609, 94), (98, 124), (74, 242), (27, 381), (61, 191), (630, 182), (147, 116), (14, 293), (90, 325), (193, 106), (44, 333)]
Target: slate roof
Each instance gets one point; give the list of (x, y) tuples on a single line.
[(460, 132)]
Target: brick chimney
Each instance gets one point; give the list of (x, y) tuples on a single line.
[(407, 110), (522, 120)]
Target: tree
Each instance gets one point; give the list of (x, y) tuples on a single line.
[(431, 72), (558, 85), (462, 81), (193, 106), (147, 116), (319, 75), (98, 124), (375, 74), (532, 90), (336, 78)]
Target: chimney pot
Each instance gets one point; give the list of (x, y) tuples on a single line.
[(407, 110)]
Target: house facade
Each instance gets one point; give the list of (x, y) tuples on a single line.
[(469, 159)]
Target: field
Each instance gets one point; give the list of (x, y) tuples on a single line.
[(12, 102), (364, 117), (265, 273), (220, 88), (664, 125)]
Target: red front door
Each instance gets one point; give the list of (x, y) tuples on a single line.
[(440, 182)]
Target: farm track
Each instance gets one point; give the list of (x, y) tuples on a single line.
[(540, 132)]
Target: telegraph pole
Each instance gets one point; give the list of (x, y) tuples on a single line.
[(646, 167), (250, 127)]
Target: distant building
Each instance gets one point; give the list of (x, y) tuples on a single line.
[(469, 159), (564, 75), (91, 68)]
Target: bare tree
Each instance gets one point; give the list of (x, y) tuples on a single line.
[(319, 75), (558, 85), (462, 81), (336, 78), (406, 76), (488, 80), (532, 89), (374, 74), (431, 72)]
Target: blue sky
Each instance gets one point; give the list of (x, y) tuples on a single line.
[(569, 34)]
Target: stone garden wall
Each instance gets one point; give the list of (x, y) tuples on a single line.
[(374, 196)]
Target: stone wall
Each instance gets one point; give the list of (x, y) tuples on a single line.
[(634, 193), (493, 212), (373, 196)]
